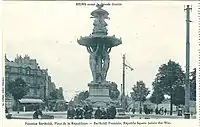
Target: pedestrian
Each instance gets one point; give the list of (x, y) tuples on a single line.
[(40, 113), (151, 110), (37, 114), (6, 110), (133, 110), (70, 113), (113, 112), (98, 113), (165, 111), (88, 111), (85, 111), (162, 109), (104, 114), (108, 112), (79, 113), (179, 111), (156, 110), (140, 110)]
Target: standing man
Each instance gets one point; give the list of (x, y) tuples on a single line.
[(111, 111), (165, 111), (104, 114), (90, 110), (98, 113), (70, 113), (87, 111), (156, 110), (79, 113), (133, 110), (108, 112)]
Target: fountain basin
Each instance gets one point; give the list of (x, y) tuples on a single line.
[(109, 41)]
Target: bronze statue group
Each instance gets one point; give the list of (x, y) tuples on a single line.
[(87, 112)]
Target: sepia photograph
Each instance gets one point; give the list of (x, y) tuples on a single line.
[(99, 60)]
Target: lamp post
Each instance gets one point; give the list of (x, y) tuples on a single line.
[(187, 80), (121, 94)]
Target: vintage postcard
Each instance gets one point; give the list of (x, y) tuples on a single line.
[(100, 63)]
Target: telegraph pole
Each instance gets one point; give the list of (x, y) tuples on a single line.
[(123, 80), (187, 85), (121, 94)]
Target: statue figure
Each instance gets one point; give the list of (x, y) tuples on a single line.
[(99, 25), (93, 61), (99, 63), (106, 61), (99, 6), (99, 22)]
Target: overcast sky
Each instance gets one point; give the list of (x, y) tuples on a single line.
[(151, 32)]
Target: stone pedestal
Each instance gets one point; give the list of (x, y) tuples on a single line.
[(99, 94)]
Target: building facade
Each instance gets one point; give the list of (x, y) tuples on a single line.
[(38, 80)]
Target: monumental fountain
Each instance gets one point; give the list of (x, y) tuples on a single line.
[(99, 45)]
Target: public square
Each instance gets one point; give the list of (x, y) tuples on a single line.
[(98, 63)]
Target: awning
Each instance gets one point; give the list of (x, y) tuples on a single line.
[(31, 101)]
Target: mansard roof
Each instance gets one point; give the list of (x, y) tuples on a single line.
[(23, 62)]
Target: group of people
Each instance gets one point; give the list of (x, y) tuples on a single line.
[(161, 111), (147, 110), (80, 113), (87, 112), (102, 113)]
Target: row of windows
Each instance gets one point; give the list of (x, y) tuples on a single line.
[(29, 80), (23, 70), (34, 80), (34, 92)]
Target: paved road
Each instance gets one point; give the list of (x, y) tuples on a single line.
[(155, 116), (129, 115), (29, 115)]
